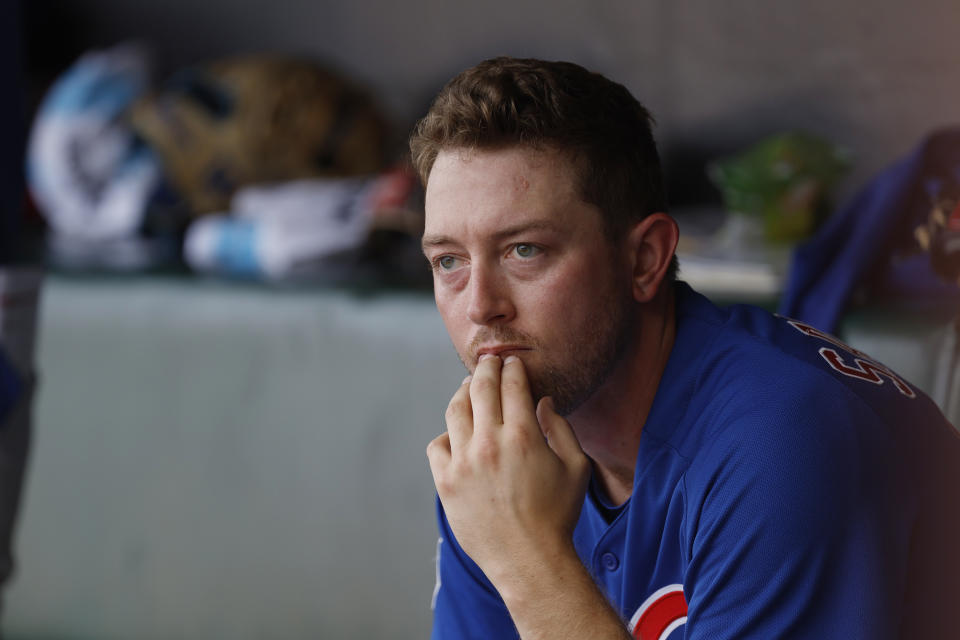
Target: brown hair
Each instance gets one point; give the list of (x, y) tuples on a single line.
[(603, 129)]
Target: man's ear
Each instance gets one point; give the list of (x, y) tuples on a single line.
[(651, 243)]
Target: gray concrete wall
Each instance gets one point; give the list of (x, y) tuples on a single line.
[(230, 462)]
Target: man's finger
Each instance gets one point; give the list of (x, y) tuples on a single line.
[(439, 455), (438, 450), (558, 432), (515, 398), (460, 417), (485, 393)]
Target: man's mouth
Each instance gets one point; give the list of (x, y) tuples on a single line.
[(501, 350)]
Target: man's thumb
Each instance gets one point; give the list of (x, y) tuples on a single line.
[(557, 430)]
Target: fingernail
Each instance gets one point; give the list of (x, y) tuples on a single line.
[(466, 380), (510, 359), (486, 356)]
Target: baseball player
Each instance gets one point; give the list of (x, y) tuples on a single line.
[(627, 459)]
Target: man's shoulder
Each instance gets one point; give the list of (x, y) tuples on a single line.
[(758, 359), (742, 346), (780, 394)]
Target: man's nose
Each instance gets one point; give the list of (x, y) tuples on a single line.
[(490, 299)]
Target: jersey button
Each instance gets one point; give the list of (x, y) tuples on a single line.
[(610, 561)]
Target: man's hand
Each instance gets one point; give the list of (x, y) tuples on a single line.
[(512, 482), (511, 479)]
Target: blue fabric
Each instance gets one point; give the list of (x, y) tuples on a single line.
[(786, 487), (10, 387), (856, 244)]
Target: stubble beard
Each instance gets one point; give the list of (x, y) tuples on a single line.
[(572, 377), (570, 373)]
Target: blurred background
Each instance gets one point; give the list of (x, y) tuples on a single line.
[(219, 358)]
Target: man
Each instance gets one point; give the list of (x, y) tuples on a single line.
[(628, 460)]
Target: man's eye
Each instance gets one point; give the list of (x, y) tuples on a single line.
[(526, 250), (446, 263)]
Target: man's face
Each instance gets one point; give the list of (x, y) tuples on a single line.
[(521, 265)]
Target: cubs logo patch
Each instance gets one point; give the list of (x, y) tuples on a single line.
[(660, 615)]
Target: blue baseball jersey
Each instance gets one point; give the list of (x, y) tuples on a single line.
[(787, 486)]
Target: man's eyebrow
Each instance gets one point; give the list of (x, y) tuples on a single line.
[(535, 225), (435, 240)]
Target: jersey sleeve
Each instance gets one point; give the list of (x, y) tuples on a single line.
[(465, 605), (792, 531)]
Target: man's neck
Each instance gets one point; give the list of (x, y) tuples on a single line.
[(610, 423)]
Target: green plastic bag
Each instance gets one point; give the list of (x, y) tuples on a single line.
[(784, 180)]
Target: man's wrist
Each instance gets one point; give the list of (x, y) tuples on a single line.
[(535, 569), (542, 575), (553, 596)]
